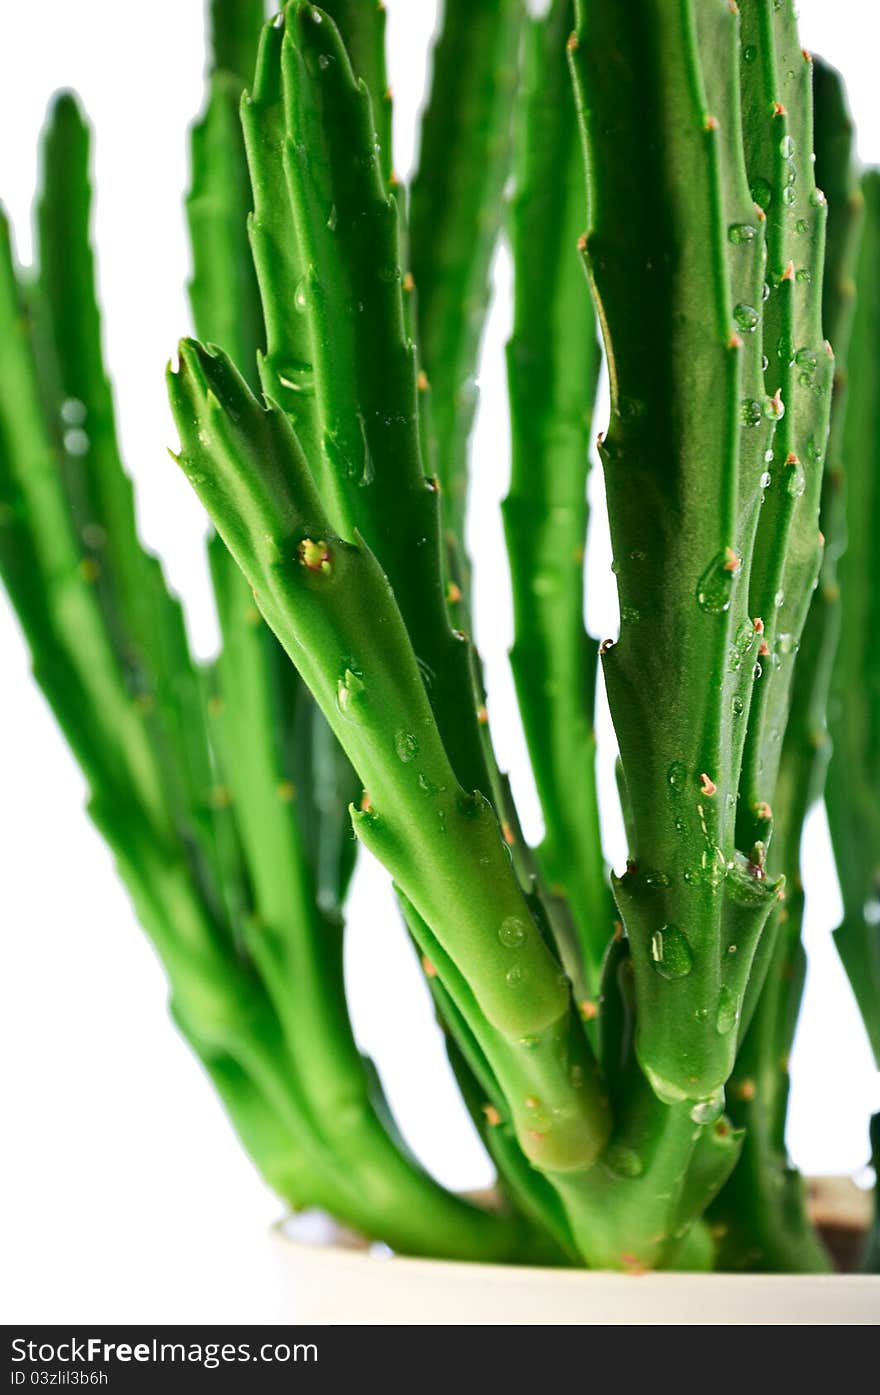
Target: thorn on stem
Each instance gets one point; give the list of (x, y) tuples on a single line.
[(707, 785)]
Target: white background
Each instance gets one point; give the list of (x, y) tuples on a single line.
[(125, 1195)]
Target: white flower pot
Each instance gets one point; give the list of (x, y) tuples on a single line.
[(331, 1277)]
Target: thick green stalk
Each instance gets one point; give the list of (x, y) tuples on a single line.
[(854, 770), (674, 250), (776, 79), (553, 366), (289, 784), (762, 1212), (234, 30), (760, 1219), (362, 26), (332, 607), (455, 215), (361, 365)]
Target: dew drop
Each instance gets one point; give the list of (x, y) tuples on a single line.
[(750, 411), (624, 1161), (676, 776), (786, 147), (741, 232), (749, 53), (76, 441), (513, 976), (332, 218), (350, 696), (765, 480), (299, 296), (707, 1111), (762, 193), (406, 746), (727, 1015), (298, 377), (512, 932), (803, 275), (737, 706), (671, 953), (796, 481), (716, 584), (73, 411), (774, 408), (746, 317)]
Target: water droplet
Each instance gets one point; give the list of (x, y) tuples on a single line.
[(786, 644), (749, 53), (629, 615), (745, 636), (653, 878), (804, 275), (786, 147), (757, 671), (707, 1111), (779, 599), (529, 1042), (513, 976), (818, 199), (702, 1014), (716, 584), (406, 746), (765, 363), (789, 195), (324, 61), (751, 411), (737, 706), (332, 218), (805, 358), (676, 776), (762, 193), (765, 480), (298, 377), (765, 291), (746, 317), (671, 953), (512, 932), (796, 480), (801, 226), (351, 696), (774, 408), (741, 232), (624, 1161), (426, 786), (73, 411), (389, 274), (299, 296), (814, 453), (727, 1015), (785, 349), (76, 441)]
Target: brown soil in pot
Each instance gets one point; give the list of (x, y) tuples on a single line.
[(842, 1214)]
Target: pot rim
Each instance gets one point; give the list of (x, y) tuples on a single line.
[(331, 1246)]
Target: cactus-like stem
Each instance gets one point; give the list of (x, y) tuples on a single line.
[(288, 783), (762, 1213), (553, 364), (333, 609), (676, 289), (456, 209), (777, 101), (362, 26), (854, 770)]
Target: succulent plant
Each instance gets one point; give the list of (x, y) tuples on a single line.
[(620, 1041)]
